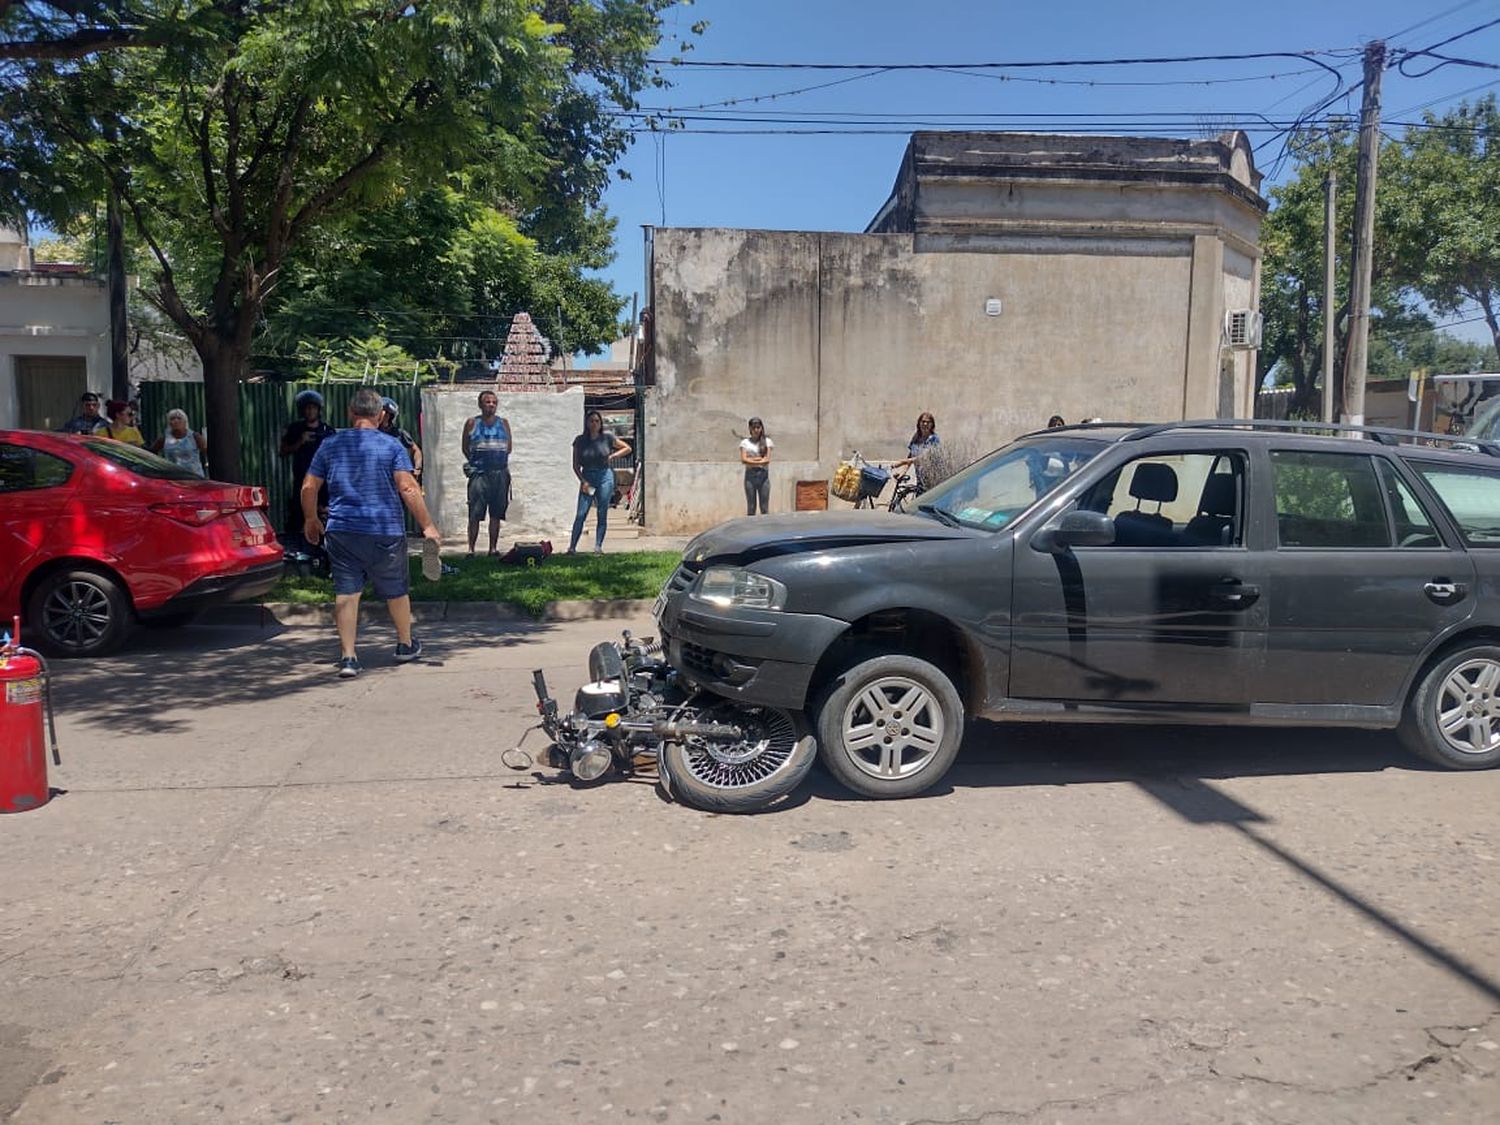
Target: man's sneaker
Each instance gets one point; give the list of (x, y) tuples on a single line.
[(406, 653), (348, 668), (432, 563)]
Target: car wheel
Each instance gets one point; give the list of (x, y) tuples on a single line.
[(1453, 718), (79, 613), (890, 726)]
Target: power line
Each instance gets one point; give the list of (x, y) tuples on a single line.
[(1026, 64), (1444, 14), (1449, 97)]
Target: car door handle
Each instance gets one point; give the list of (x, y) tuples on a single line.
[(1444, 592), (1234, 594)]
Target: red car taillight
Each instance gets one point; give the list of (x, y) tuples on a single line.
[(194, 514)]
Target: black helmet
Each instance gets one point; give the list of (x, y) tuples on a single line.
[(390, 407), (305, 397)]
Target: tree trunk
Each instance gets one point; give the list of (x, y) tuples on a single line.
[(119, 352), (223, 365)]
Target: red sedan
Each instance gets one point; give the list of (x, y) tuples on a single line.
[(97, 535)]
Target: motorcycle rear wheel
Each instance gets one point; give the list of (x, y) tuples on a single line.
[(774, 757)]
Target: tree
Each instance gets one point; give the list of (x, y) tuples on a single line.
[(440, 273), (1292, 268), (73, 29), (1447, 209), (256, 128)]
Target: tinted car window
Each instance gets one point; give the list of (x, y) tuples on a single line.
[(1328, 500), (992, 492), (1472, 497), (22, 468), (139, 462)]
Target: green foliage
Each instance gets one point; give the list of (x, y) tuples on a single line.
[(441, 274), (1437, 241), (1447, 209), (245, 140)]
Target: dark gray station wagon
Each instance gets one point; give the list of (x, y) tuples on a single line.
[(1205, 572)]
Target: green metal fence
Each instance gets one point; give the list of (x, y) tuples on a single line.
[(265, 411)]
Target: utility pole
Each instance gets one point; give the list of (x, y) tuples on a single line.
[(114, 275), (1356, 355), (1330, 287)]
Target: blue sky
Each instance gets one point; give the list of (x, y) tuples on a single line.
[(822, 182)]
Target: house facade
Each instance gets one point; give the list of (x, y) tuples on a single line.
[(54, 338)]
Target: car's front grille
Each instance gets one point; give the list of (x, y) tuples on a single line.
[(682, 579), (698, 661)]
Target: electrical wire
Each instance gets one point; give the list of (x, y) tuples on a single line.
[(1444, 14), (1026, 64)]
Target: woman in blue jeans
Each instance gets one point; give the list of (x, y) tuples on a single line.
[(593, 450)]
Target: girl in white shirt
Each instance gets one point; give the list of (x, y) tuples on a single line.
[(755, 454)]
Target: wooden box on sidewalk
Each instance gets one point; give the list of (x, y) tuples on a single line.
[(812, 496)]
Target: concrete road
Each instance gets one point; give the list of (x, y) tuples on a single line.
[(268, 896)]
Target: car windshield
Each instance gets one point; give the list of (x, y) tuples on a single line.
[(138, 461), (998, 488)]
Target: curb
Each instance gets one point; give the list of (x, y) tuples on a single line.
[(426, 613)]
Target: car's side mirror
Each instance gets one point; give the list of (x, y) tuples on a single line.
[(1075, 529)]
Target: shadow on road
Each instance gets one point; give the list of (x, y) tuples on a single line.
[(153, 684)]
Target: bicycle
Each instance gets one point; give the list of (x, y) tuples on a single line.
[(905, 489)]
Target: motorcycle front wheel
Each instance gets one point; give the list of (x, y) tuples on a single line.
[(770, 761)]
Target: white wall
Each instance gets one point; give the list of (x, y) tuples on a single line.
[(544, 492), (52, 316)]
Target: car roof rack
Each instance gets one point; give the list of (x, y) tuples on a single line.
[(1381, 434)]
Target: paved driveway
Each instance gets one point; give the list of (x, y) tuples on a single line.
[(270, 896)]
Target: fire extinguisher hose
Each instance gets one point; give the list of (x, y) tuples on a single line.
[(46, 699)]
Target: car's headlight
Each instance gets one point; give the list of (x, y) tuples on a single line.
[(733, 586)]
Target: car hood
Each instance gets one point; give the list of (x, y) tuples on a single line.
[(757, 537)]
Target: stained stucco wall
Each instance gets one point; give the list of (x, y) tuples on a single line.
[(839, 340), (544, 490)]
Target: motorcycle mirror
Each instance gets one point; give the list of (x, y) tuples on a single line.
[(516, 758)]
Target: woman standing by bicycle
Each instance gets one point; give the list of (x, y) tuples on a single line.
[(923, 440), (755, 454)]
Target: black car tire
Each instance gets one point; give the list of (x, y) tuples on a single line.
[(106, 614), (793, 744), (891, 678), (1421, 728)]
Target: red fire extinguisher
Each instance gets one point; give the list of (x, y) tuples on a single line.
[(25, 695)]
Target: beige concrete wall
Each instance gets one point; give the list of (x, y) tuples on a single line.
[(544, 490), (839, 340)]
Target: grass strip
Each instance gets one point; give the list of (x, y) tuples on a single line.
[(561, 578)]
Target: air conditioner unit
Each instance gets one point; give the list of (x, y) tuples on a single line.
[(1242, 328)]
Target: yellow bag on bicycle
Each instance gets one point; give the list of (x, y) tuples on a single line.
[(846, 481)]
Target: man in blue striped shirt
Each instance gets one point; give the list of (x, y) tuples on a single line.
[(369, 477)]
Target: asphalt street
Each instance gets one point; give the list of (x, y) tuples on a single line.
[(269, 896)]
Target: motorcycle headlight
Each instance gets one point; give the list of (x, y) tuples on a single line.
[(734, 587)]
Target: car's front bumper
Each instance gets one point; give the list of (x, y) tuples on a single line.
[(755, 656)]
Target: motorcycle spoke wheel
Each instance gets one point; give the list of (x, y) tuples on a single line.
[(768, 746)]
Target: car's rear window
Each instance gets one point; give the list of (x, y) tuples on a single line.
[(138, 461), (1472, 497)]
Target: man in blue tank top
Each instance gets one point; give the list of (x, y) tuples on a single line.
[(488, 445)]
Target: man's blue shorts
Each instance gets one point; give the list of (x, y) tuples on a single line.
[(377, 559)]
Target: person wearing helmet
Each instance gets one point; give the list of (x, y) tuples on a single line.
[(390, 411), (300, 441)]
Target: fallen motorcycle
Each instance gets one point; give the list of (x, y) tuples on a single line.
[(638, 711)]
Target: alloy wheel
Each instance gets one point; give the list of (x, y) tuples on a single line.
[(1468, 707), (893, 728), (76, 614)]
